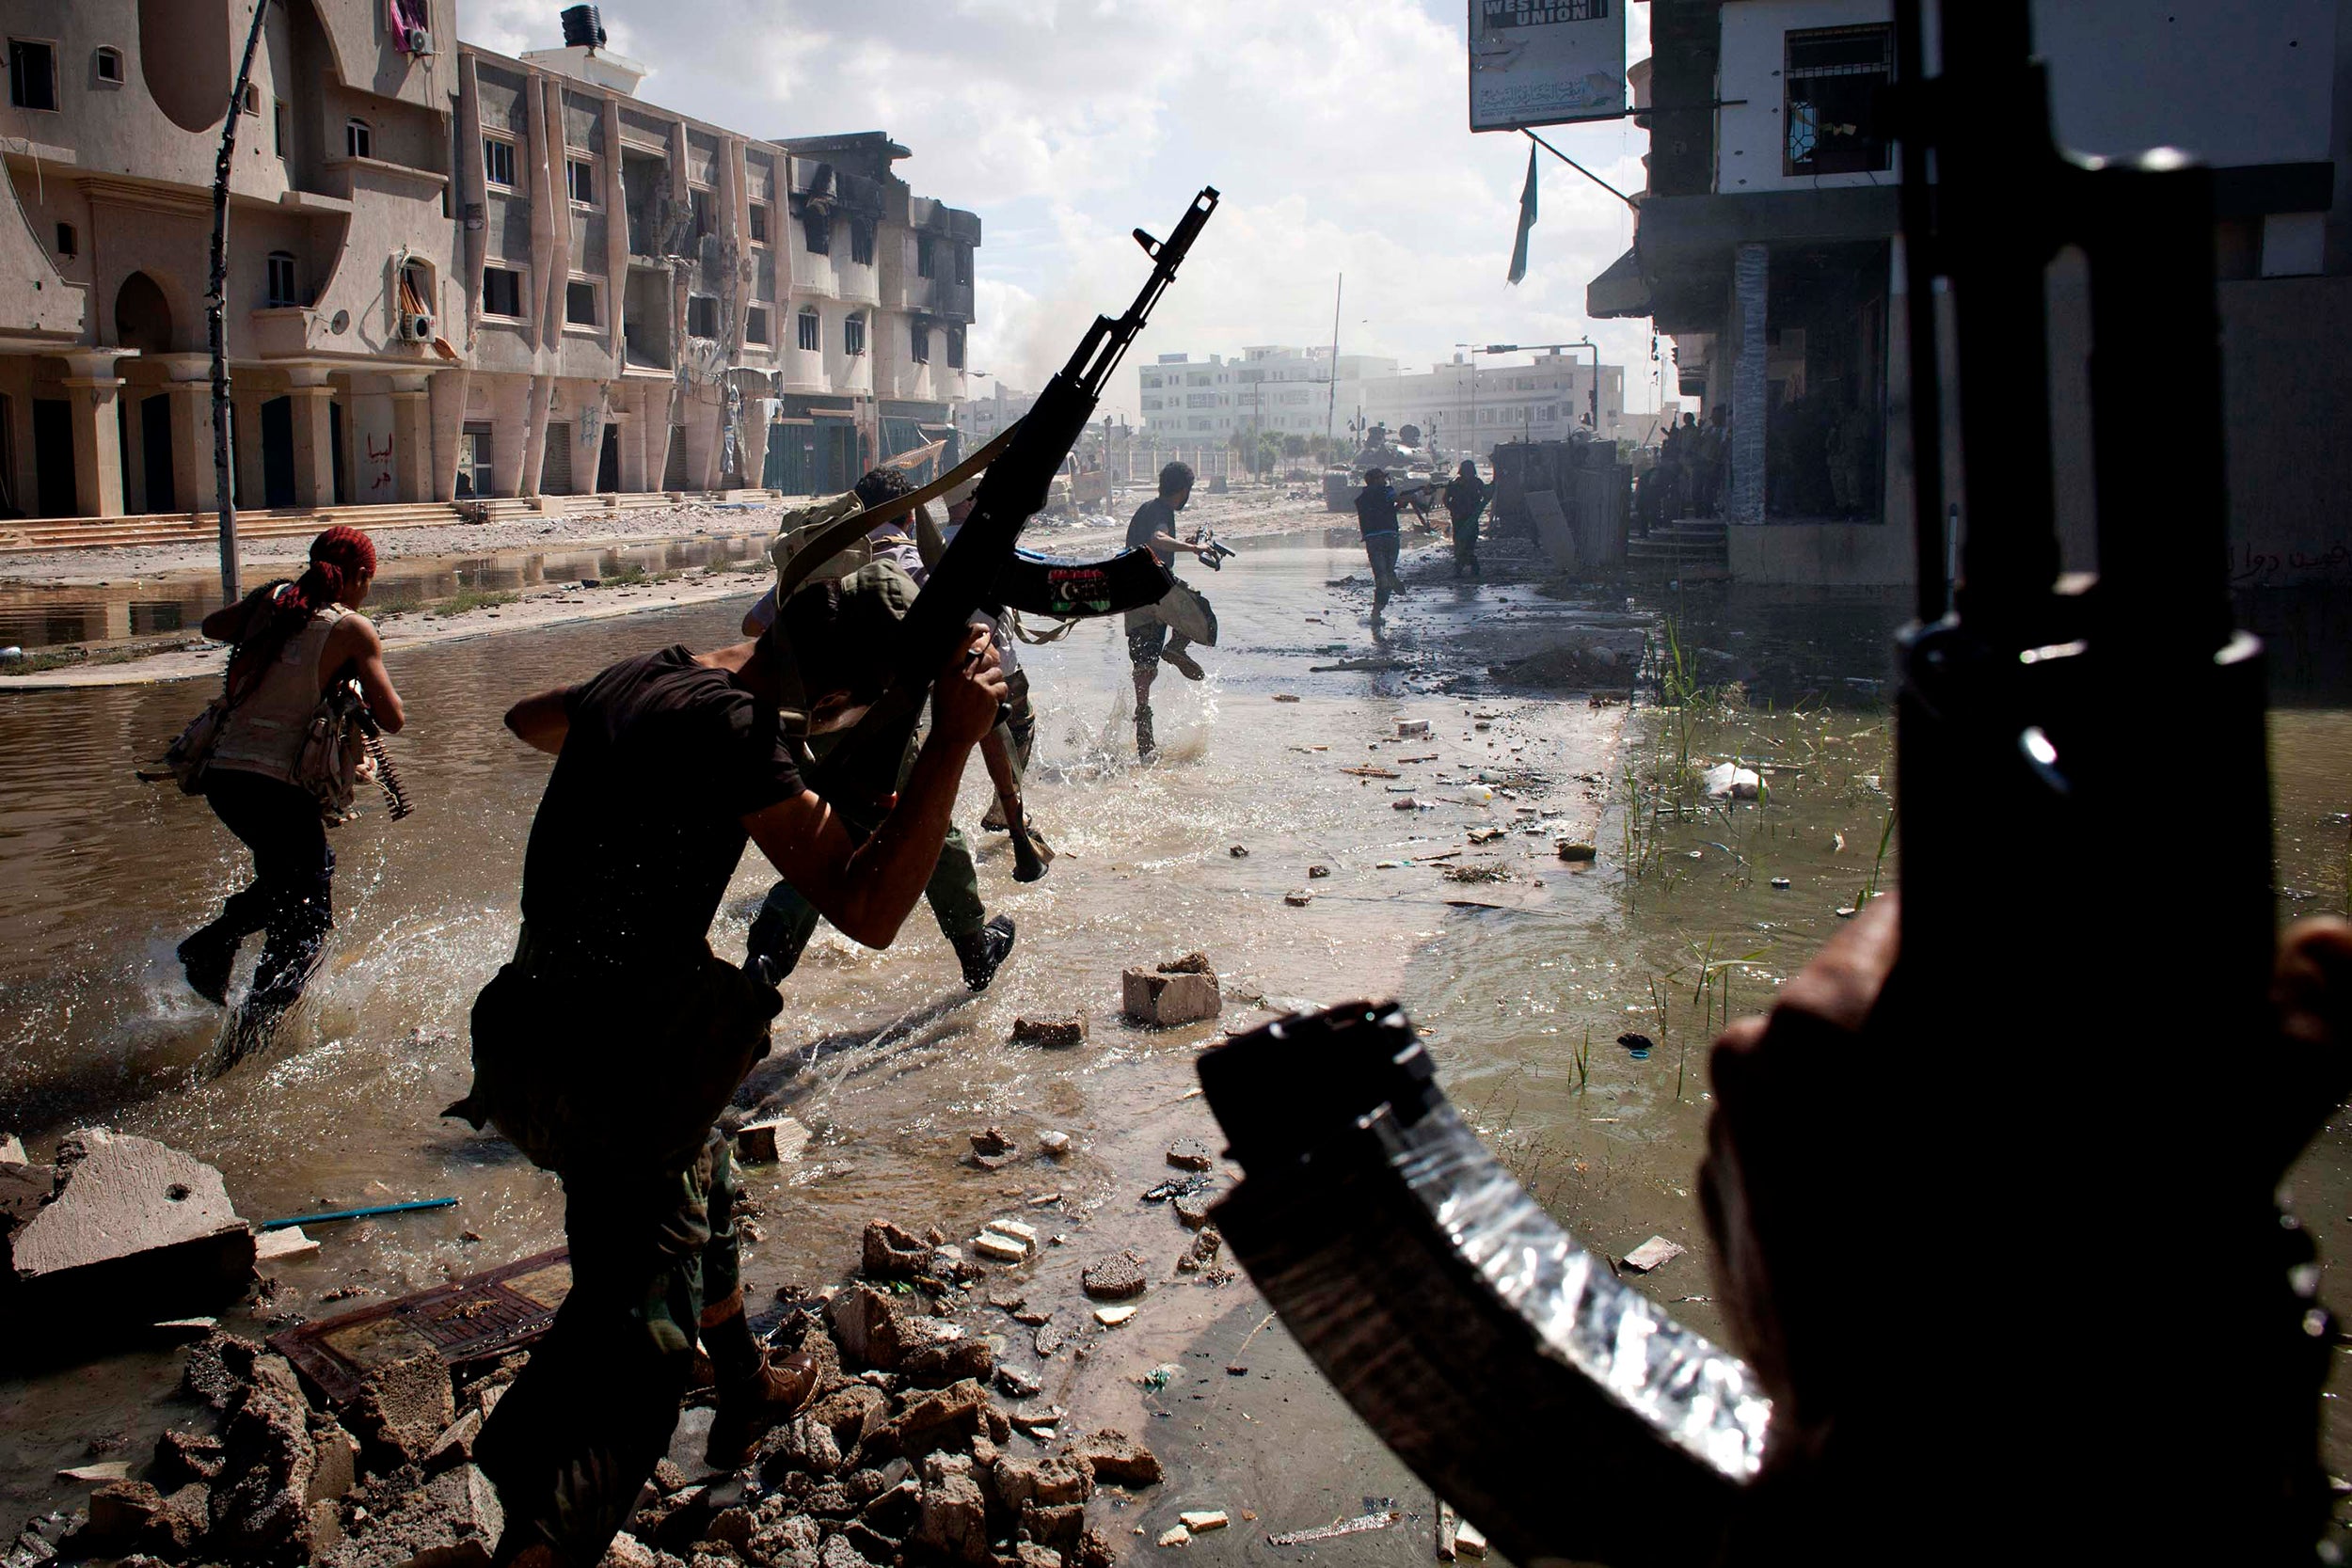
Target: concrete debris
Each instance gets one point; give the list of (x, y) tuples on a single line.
[(404, 1407), (1025, 1234), (1019, 1383), (1111, 1317), (128, 1517), (1192, 1208), (1164, 999), (1468, 1541), (262, 1507), (1116, 1277), (775, 1140), (992, 1141), (1572, 850), (1055, 1143), (1000, 1249), (1357, 1526), (1117, 1458), (334, 1461), (452, 1521), (182, 1457), (217, 1368), (949, 1417), (1202, 1520), (1047, 1340), (283, 1245), (1239, 851), (1052, 1032), (132, 1221), (1286, 696), (1191, 963), (1412, 729), (891, 1252), (455, 1445), (1654, 1253), (1449, 1524), (1191, 1154), (1202, 1252), (104, 1470), (1298, 900), (873, 1331), (1176, 1535), (13, 1150), (1318, 872)]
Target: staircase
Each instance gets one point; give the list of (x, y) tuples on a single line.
[(186, 528), (1690, 548)]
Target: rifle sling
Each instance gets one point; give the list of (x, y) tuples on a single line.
[(846, 532)]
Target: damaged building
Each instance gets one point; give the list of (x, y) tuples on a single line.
[(454, 275), (1765, 246)]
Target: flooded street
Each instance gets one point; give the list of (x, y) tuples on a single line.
[(1524, 970)]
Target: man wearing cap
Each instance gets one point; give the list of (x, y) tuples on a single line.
[(608, 1047)]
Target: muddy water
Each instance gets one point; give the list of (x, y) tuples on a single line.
[(1512, 968), (39, 616)]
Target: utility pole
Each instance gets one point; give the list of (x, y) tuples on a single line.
[(1331, 413), (216, 307)]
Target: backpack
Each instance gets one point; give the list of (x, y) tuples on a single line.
[(335, 756)]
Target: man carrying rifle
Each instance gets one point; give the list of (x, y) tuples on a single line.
[(608, 1047), (1149, 637)]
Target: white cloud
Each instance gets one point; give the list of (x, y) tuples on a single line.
[(1336, 135)]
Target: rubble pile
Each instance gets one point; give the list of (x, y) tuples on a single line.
[(903, 1457), (116, 1224)]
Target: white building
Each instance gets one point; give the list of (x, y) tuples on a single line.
[(1465, 409), (980, 419), (1290, 391)]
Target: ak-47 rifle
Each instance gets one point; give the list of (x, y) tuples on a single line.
[(1015, 488), (2146, 1391)]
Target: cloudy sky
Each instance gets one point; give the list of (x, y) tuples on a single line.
[(1336, 133)]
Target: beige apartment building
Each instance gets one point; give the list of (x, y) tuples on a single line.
[(454, 274)]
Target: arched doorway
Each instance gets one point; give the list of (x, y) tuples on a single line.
[(142, 316)]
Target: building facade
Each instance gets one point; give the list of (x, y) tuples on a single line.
[(1467, 408), (980, 420), (1290, 391), (1765, 246), (454, 274)]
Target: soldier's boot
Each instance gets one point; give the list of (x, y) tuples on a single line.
[(1189, 665), (1146, 747), (748, 1406), (983, 951)]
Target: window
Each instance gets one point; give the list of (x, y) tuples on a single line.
[(582, 175), (32, 75), (1151, 404), (1200, 400), (281, 123), (1834, 78), (580, 302), (474, 462), (358, 139), (955, 348), (68, 243), (817, 228), (282, 278), (760, 223), (702, 316), (700, 200), (853, 334), (110, 64), (861, 242), (926, 262), (501, 292), (963, 266), (812, 331), (756, 325), (497, 161), (252, 99), (919, 343)]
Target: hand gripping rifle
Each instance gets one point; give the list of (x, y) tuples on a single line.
[(1015, 488), (2149, 1393)]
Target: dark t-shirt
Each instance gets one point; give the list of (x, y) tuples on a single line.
[(1464, 496), (639, 830), (1375, 510), (1153, 517)]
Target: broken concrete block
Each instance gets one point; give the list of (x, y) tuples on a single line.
[(1412, 729), (456, 1443), (1199, 1520), (774, 1140), (1114, 1278), (1193, 1207), (1050, 1482), (1030, 1554), (127, 1517), (261, 1505), (134, 1225), (1054, 1144), (182, 1457), (1025, 1234), (404, 1407), (1298, 900), (1468, 1541), (1053, 1032), (1191, 1154), (1175, 1535), (992, 1141), (954, 1518), (1017, 1382), (1001, 1249), (97, 1474), (1117, 1458), (1654, 1253), (12, 1151), (949, 1417), (283, 1245), (217, 1368), (627, 1551), (1111, 1317), (334, 1462), (1162, 999), (1202, 1252), (891, 1252), (452, 1521)]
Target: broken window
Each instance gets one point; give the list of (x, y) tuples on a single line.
[(497, 161), (501, 292), (32, 75), (756, 325), (925, 264), (702, 316), (282, 278), (861, 242), (701, 200), (811, 330), (919, 343), (582, 173), (955, 348), (760, 223), (1834, 78), (580, 302), (853, 334), (816, 228), (963, 266)]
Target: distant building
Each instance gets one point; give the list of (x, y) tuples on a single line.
[(453, 273), (1290, 391), (1459, 409), (979, 421)]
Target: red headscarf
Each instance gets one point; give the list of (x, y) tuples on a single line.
[(337, 557)]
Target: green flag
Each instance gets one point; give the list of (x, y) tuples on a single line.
[(1527, 219)]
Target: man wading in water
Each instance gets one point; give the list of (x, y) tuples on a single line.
[(1149, 638), (293, 641), (1376, 517), (608, 1047)]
